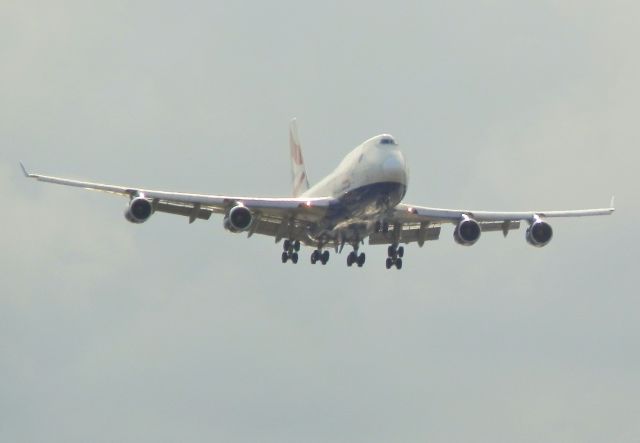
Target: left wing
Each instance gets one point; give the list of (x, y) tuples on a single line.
[(420, 223), (408, 212), (277, 217)]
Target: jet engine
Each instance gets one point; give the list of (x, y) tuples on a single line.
[(467, 231), (238, 219), (539, 233), (139, 210)]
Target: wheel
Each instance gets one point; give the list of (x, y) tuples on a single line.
[(389, 262), (385, 228), (391, 251), (285, 257), (361, 259), (314, 256), (325, 257), (399, 263), (350, 258), (286, 245), (296, 246), (401, 251), (294, 258)]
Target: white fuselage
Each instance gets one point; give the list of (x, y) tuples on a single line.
[(368, 183), (370, 163)]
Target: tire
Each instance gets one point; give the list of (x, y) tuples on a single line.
[(401, 251), (325, 257), (286, 245), (294, 258), (350, 259), (296, 246), (399, 264), (389, 263), (361, 259), (285, 257), (391, 251)]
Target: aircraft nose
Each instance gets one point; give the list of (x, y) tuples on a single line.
[(393, 168)]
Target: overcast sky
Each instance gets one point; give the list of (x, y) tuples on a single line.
[(174, 332)]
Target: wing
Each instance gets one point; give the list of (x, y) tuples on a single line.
[(419, 223), (277, 217)]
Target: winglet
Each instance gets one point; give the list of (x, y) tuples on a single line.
[(24, 171), (611, 204)]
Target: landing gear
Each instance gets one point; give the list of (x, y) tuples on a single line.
[(353, 257), (290, 251), (319, 256), (361, 259), (395, 251), (382, 227), (394, 258)]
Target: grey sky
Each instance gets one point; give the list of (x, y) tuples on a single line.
[(176, 332)]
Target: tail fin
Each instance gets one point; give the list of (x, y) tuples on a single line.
[(298, 172)]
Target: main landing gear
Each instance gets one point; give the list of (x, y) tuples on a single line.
[(353, 257), (319, 256), (395, 255), (290, 251)]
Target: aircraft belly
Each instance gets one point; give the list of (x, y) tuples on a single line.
[(368, 201)]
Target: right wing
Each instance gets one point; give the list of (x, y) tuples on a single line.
[(277, 217)]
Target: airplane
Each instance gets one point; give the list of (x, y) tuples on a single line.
[(361, 199)]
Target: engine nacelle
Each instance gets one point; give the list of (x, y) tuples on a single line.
[(539, 233), (139, 210), (467, 231), (238, 219)]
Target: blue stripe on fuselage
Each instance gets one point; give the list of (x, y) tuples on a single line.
[(367, 202)]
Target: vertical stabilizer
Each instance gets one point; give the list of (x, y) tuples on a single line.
[(298, 172)]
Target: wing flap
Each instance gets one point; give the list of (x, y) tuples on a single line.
[(191, 211), (409, 233), (505, 226), (292, 229)]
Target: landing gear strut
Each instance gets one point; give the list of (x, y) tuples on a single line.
[(382, 227), (290, 251), (394, 256)]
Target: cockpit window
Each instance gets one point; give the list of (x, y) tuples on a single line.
[(387, 141)]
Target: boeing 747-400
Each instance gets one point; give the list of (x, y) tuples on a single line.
[(361, 199)]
